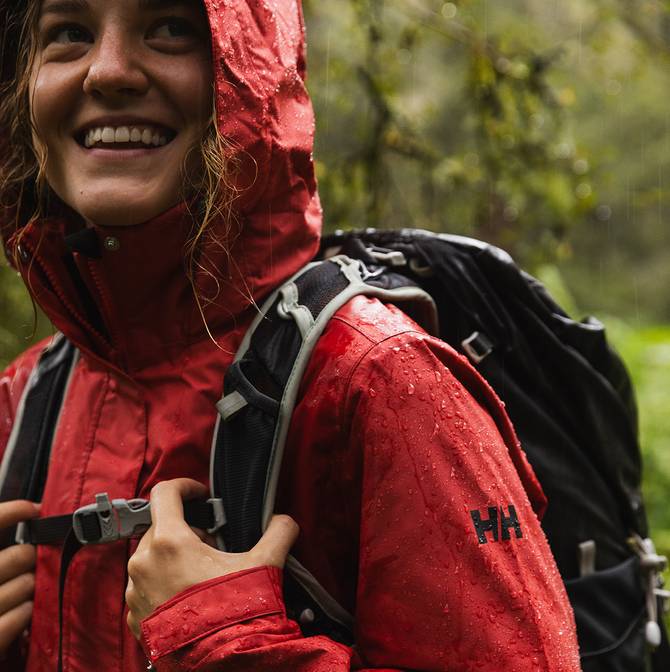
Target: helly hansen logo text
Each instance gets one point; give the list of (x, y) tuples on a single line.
[(497, 521)]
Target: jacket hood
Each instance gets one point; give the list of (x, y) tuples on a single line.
[(105, 288)]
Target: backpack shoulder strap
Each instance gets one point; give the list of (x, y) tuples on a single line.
[(260, 393), (25, 461)]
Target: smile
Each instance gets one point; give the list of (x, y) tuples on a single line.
[(126, 137)]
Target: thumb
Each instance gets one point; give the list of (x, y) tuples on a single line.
[(17, 510), (276, 543)]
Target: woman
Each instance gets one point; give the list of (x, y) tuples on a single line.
[(151, 263)]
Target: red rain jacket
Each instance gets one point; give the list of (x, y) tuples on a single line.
[(395, 440)]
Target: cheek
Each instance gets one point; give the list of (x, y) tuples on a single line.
[(52, 97), (193, 88)]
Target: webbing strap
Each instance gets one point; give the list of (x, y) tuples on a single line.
[(70, 548), (54, 530)]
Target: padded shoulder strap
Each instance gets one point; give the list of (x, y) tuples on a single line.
[(261, 389), (25, 462)]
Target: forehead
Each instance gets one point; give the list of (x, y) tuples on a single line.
[(71, 6)]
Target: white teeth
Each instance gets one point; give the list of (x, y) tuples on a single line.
[(124, 134), (108, 134)]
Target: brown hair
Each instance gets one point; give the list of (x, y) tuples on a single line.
[(21, 170), (23, 187)]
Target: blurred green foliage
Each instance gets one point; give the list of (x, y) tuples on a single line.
[(539, 125), (647, 353)]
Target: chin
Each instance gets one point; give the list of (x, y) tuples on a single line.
[(126, 209)]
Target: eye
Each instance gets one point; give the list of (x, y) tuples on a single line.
[(69, 34), (173, 28)]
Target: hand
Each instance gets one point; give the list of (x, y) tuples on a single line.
[(17, 578), (171, 557)]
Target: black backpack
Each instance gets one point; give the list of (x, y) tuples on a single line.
[(566, 391)]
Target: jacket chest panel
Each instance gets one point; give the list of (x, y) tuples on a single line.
[(100, 441), (122, 438)]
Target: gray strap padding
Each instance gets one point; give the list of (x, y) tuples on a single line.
[(18, 420), (265, 309), (289, 308)]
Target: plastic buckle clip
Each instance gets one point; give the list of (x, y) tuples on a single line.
[(117, 518)]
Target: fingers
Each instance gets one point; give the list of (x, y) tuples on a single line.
[(167, 510), (15, 511), (17, 591), (13, 623), (16, 560), (276, 543)]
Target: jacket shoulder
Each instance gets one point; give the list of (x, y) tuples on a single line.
[(13, 381), (373, 320), (368, 339)]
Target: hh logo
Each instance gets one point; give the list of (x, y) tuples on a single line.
[(496, 522)]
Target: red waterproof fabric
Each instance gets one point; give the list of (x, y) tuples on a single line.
[(394, 442)]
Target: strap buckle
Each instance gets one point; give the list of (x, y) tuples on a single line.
[(110, 520)]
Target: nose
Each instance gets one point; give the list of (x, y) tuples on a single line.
[(115, 69)]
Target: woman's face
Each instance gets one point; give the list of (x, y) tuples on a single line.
[(121, 91)]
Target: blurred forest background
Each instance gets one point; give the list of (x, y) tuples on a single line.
[(542, 126)]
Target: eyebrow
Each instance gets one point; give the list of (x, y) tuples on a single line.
[(164, 4), (63, 6)]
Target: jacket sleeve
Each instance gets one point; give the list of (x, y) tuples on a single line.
[(454, 572)]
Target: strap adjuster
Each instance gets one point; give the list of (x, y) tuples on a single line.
[(477, 347), (110, 520)]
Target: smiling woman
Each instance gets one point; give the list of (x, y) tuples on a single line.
[(119, 122)]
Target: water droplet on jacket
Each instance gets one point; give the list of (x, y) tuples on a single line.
[(372, 392), (410, 389)]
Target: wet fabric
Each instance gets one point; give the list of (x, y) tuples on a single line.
[(420, 442)]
